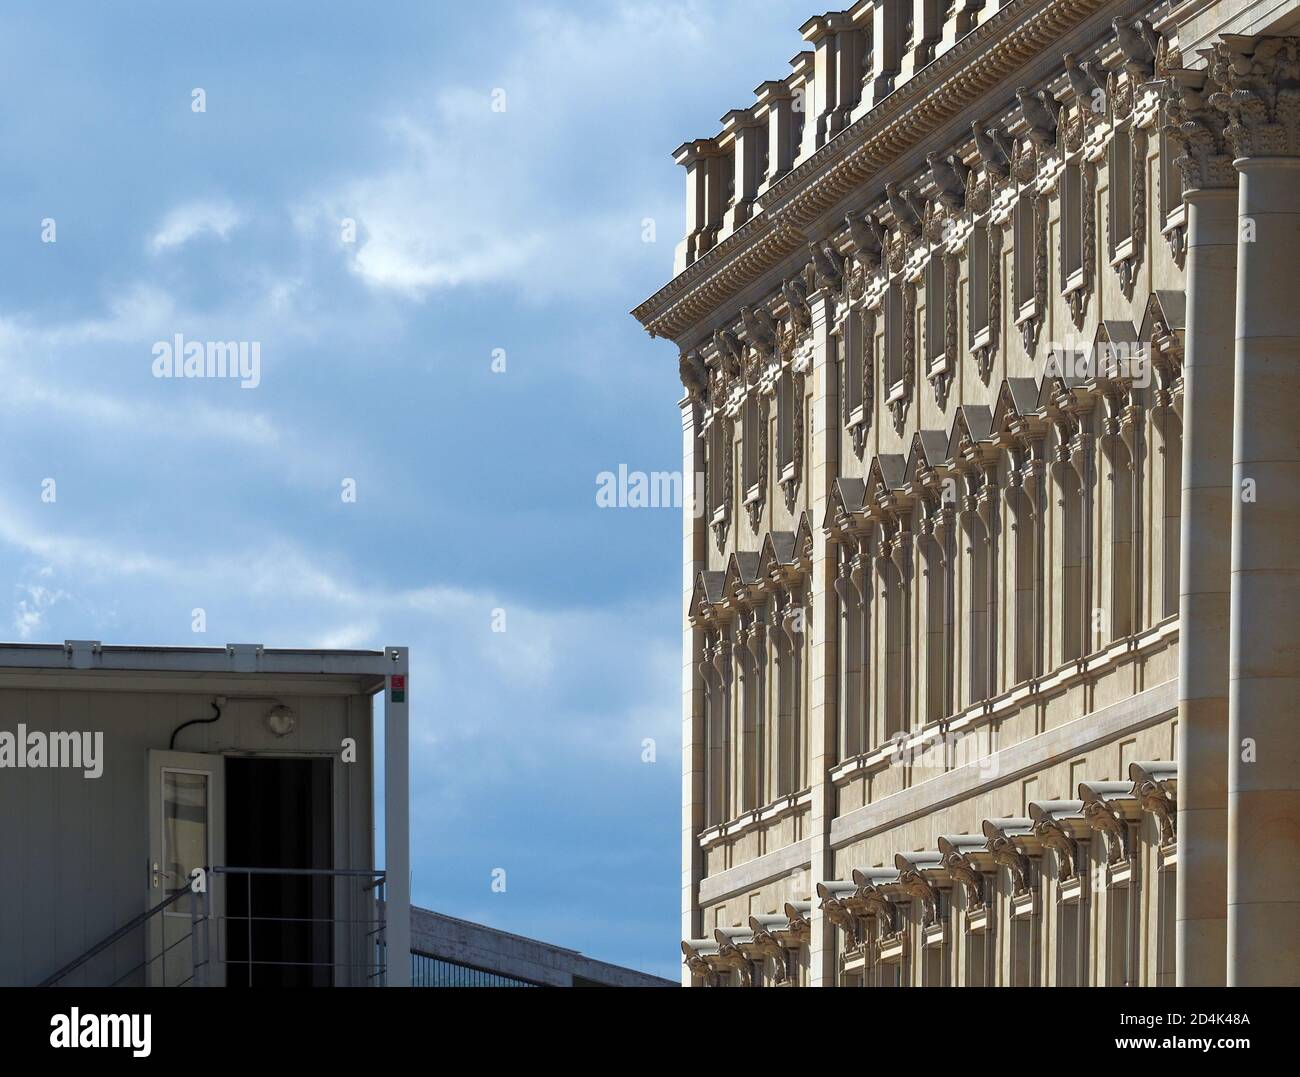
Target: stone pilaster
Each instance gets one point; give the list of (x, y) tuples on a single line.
[(694, 746), (1261, 78), (824, 638), (1206, 539)]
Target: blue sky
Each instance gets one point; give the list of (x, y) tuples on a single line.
[(476, 230)]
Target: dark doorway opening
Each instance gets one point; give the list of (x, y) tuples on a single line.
[(279, 927)]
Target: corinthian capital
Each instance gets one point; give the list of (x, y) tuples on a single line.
[(1197, 126), (1260, 95)]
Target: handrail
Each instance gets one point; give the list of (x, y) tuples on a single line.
[(121, 932)]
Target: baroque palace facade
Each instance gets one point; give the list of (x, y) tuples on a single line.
[(988, 319)]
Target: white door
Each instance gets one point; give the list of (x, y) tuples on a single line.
[(186, 831)]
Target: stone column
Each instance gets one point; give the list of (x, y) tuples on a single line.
[(1263, 110), (775, 101), (1205, 534), (694, 746), (886, 51), (693, 156), (824, 637)]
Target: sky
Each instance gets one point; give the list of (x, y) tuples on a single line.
[(430, 219)]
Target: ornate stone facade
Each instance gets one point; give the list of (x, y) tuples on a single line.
[(987, 319)]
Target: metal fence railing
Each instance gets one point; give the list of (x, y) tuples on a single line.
[(311, 927)]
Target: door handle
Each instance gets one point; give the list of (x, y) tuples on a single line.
[(157, 871)]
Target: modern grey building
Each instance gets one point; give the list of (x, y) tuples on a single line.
[(179, 815), (446, 952)]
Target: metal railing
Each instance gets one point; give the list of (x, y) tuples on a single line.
[(276, 926), (198, 916), (265, 944)]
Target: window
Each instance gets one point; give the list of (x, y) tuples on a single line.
[(1119, 940), (854, 350), (894, 329), (977, 959), (979, 621), (977, 253), (1071, 223), (853, 631), (1025, 240), (784, 766), (936, 629), (1121, 188), (1166, 924), (936, 308), (1072, 612), (751, 731), (896, 648), (750, 440), (1069, 945), (717, 449), (785, 419), (1123, 543), (1023, 926), (1026, 532)]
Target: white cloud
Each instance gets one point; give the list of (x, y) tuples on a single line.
[(472, 196), (180, 225), (29, 612)]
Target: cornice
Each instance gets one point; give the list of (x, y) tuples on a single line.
[(1018, 33)]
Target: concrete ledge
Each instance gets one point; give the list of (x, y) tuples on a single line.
[(755, 872)]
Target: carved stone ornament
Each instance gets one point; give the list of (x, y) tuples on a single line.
[(1105, 820), (966, 874), (1055, 837), (1008, 855), (1261, 94), (1197, 127)]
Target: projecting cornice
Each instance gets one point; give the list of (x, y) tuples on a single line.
[(1020, 32)]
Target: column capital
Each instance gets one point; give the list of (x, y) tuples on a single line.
[(1260, 94), (1198, 127)]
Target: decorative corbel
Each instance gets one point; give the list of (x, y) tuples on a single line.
[(1155, 795), (1104, 819), (1008, 855), (915, 885)]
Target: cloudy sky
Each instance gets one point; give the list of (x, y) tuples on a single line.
[(478, 230)]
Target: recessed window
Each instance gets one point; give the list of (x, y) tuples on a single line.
[(1121, 187), (936, 307), (978, 257), (1025, 238), (1071, 221), (894, 315)]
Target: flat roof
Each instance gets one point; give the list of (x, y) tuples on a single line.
[(232, 658)]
